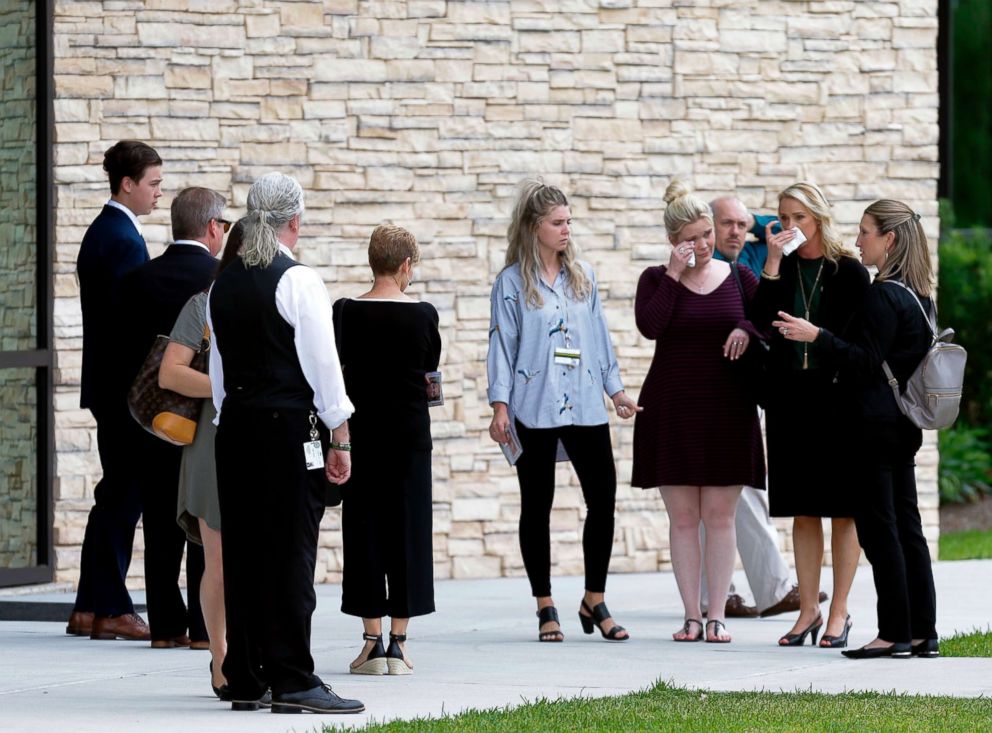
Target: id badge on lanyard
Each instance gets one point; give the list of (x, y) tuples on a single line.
[(311, 449)]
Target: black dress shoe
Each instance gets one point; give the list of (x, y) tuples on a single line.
[(928, 648), (320, 699), (900, 650)]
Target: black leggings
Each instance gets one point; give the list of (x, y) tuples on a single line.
[(891, 533), (591, 453)]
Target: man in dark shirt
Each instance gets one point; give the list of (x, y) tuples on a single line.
[(151, 297), (112, 246)]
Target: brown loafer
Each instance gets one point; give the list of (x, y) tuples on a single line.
[(80, 623), (128, 626), (199, 645), (789, 602), (176, 641), (737, 607)]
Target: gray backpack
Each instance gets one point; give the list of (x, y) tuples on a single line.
[(933, 393)]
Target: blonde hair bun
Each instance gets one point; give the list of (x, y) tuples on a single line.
[(676, 189)]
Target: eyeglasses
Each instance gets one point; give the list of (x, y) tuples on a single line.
[(226, 224)]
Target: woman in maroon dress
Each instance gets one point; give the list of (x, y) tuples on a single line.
[(698, 438)]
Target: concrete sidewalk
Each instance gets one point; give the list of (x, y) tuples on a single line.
[(478, 651)]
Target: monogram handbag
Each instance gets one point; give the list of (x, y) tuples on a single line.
[(162, 412)]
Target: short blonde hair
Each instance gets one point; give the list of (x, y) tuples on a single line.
[(683, 208), (389, 247)]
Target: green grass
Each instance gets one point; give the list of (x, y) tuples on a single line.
[(664, 708), (970, 545), (977, 643)]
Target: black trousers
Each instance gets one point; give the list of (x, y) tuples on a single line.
[(270, 508), (387, 529), (109, 537), (591, 452), (891, 533), (165, 541)]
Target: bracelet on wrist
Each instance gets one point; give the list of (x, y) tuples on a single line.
[(346, 447), (768, 276)]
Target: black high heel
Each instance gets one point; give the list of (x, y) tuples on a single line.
[(395, 660), (596, 617), (800, 638), (223, 692), (375, 662), (545, 616), (839, 641)]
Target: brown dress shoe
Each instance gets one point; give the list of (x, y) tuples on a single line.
[(789, 602), (127, 626), (737, 607), (199, 645), (80, 623), (176, 641)]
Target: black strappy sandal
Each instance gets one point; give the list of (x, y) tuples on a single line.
[(717, 624), (545, 616), (687, 630), (395, 661), (596, 617), (375, 662)]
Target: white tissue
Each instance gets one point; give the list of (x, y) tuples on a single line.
[(798, 240)]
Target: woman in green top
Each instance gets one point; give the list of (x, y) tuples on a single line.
[(809, 407)]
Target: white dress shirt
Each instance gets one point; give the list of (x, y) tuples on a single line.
[(130, 214), (193, 243), (302, 300)]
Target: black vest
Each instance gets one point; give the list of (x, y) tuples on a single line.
[(261, 367)]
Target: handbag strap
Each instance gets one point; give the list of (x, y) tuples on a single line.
[(734, 269)]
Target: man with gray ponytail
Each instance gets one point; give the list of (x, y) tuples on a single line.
[(277, 385)]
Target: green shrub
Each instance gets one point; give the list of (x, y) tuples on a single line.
[(964, 295), (965, 464)]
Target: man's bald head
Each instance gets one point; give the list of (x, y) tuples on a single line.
[(730, 223)]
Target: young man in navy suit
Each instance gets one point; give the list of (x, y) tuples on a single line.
[(151, 297), (112, 246)]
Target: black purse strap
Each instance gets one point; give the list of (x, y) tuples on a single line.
[(740, 286)]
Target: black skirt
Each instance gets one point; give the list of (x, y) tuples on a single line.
[(812, 466)]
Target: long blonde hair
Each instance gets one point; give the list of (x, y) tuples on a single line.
[(535, 202), (683, 208), (273, 201), (810, 196), (909, 258)]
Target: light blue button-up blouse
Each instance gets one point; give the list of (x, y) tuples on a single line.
[(522, 343)]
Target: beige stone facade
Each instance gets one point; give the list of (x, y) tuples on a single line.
[(426, 113)]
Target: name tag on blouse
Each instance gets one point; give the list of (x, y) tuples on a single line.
[(567, 357)]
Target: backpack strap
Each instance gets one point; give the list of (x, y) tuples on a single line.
[(931, 320)]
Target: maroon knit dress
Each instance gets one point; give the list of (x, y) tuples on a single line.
[(699, 426)]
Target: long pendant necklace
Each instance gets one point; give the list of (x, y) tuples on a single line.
[(807, 302)]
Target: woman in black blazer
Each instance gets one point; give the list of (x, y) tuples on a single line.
[(895, 329), (809, 403)]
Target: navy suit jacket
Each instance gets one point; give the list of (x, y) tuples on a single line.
[(151, 297), (111, 247)]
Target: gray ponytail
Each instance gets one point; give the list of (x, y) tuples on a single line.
[(273, 201)]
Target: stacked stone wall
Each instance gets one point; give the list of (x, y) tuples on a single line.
[(427, 113), (18, 276)]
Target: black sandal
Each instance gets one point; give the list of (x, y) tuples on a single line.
[(375, 662), (717, 624), (545, 616), (395, 660), (596, 617), (687, 630)]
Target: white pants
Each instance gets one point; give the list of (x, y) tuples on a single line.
[(757, 542)]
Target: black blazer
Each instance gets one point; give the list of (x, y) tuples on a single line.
[(151, 297), (841, 299), (111, 247)]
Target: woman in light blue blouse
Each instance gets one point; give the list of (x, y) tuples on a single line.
[(550, 360)]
